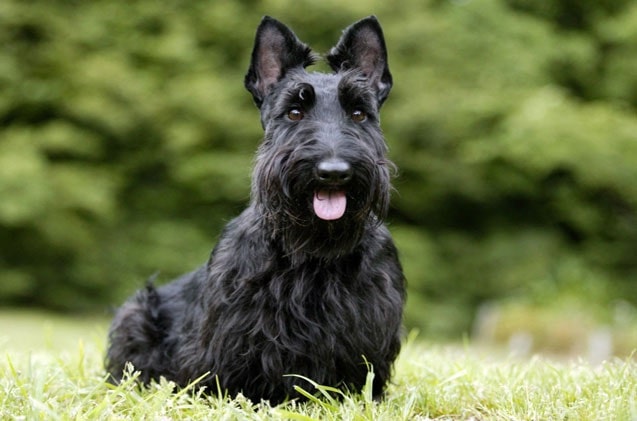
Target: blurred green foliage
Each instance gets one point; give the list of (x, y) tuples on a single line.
[(126, 142)]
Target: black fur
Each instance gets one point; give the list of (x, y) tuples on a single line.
[(286, 291)]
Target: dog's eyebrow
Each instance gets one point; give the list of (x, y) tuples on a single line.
[(302, 95), (355, 93)]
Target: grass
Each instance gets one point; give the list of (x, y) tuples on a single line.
[(51, 369)]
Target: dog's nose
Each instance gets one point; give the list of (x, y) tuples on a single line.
[(334, 171)]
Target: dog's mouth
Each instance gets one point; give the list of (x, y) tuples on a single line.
[(329, 205)]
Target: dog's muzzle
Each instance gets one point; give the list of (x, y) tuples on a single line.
[(330, 201)]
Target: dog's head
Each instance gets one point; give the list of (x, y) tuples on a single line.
[(323, 159)]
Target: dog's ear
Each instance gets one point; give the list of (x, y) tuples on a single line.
[(362, 47), (276, 50)]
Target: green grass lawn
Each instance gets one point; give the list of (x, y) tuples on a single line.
[(51, 368)]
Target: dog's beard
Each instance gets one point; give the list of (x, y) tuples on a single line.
[(311, 217), (305, 229)]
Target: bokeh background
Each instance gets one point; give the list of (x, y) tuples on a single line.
[(127, 138)]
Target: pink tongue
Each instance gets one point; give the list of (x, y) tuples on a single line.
[(329, 205)]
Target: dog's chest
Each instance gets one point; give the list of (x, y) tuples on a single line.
[(325, 299)]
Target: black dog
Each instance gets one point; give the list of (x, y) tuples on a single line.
[(306, 281)]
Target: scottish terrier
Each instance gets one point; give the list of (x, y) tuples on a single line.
[(306, 282)]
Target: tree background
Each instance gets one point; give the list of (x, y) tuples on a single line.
[(127, 138)]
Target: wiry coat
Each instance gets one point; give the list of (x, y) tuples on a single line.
[(286, 292)]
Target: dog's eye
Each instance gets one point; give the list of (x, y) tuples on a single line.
[(295, 114), (358, 116)]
